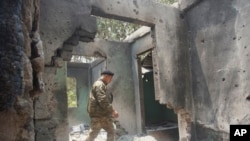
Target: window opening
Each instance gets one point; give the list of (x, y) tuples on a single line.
[(82, 59), (167, 2), (71, 92)]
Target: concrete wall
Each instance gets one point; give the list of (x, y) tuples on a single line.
[(96, 68), (219, 53), (140, 44), (51, 107), (60, 23), (207, 99), (63, 24), (170, 56), (171, 68)]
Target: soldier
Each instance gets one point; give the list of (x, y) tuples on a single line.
[(100, 108)]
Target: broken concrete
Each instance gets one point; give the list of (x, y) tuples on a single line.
[(19, 20)]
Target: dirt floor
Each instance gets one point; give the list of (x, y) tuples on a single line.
[(80, 132), (102, 137)]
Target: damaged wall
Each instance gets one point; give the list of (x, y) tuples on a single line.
[(219, 56), (171, 63), (142, 41), (63, 29), (219, 53), (21, 55), (51, 121), (60, 30), (169, 42), (63, 24)]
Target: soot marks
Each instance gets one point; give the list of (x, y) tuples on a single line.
[(136, 11)]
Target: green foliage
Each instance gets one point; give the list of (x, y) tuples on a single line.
[(71, 92), (114, 30), (166, 1), (82, 59), (118, 30)]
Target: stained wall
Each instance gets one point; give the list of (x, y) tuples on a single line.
[(219, 52)]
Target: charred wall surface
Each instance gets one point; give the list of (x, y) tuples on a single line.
[(21, 55), (210, 98)]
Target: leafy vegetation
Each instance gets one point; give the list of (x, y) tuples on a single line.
[(166, 1), (82, 59), (71, 92), (116, 30)]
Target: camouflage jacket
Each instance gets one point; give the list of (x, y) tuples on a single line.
[(99, 104)]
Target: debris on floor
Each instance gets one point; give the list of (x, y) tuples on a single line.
[(80, 132), (136, 138)]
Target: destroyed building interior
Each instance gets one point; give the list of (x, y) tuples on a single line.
[(182, 76)]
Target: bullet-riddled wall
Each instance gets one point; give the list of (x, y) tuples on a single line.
[(207, 37), (66, 32), (201, 55), (219, 54), (63, 24)]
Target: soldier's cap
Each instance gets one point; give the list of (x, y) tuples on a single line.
[(107, 72)]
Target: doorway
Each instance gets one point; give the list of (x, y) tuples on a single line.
[(84, 70), (155, 116)]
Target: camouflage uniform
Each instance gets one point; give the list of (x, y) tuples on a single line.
[(100, 111)]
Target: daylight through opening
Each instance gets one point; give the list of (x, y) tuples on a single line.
[(71, 92)]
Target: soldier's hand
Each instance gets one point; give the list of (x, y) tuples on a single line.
[(115, 114)]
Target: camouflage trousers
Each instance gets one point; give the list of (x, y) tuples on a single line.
[(101, 123)]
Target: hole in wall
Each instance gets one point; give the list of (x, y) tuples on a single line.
[(71, 92)]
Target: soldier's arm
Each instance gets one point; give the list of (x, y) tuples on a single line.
[(103, 99)]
